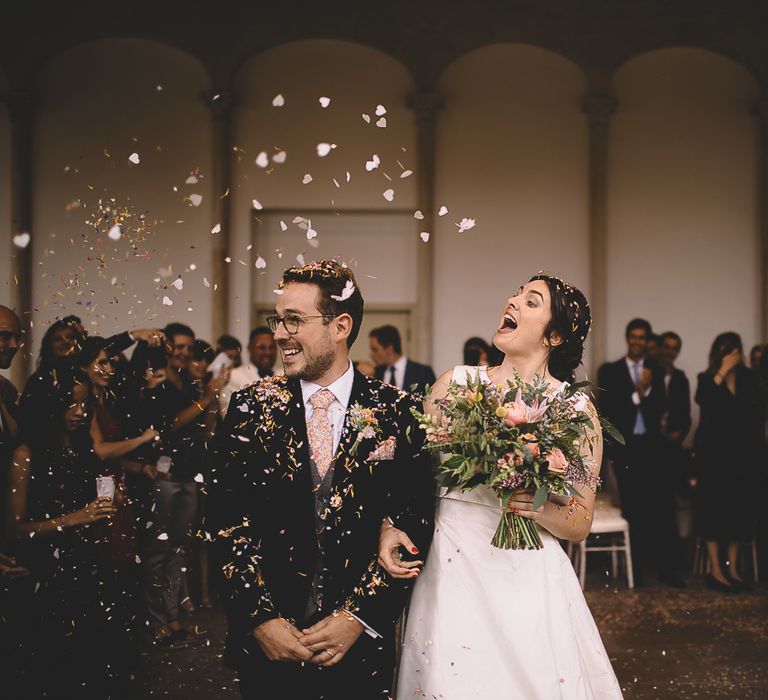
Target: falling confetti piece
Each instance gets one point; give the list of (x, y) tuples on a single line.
[(323, 149), (178, 283), (162, 536), (193, 266), (256, 204), (348, 291), (21, 240), (134, 158), (283, 225), (278, 101), (389, 194), (307, 179), (373, 163), (466, 224), (381, 123), (424, 236), (381, 110), (199, 478), (195, 199), (324, 102), (216, 229), (366, 118), (406, 173), (167, 301), (349, 176), (418, 215), (300, 260), (191, 180), (279, 157), (262, 160), (115, 233), (277, 291), (260, 263), (443, 211), (227, 260), (311, 233), (206, 283)]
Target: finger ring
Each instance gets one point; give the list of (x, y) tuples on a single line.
[(330, 653)]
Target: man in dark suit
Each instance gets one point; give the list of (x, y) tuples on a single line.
[(395, 368), (633, 398), (311, 464)]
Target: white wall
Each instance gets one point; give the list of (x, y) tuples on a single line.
[(357, 79), (512, 153), (683, 201), (101, 97), (6, 249)]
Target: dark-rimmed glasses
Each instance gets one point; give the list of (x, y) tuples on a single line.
[(292, 322)]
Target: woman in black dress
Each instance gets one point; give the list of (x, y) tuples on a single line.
[(52, 506), (729, 447)]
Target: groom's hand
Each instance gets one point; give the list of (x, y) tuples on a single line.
[(330, 639), (279, 640)]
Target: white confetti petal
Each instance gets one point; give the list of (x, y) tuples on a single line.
[(21, 240), (216, 229), (278, 101), (325, 101), (199, 478), (300, 259), (373, 163), (366, 118), (256, 204), (115, 233), (424, 236), (262, 160), (277, 291), (389, 194), (279, 157), (349, 177), (195, 199), (193, 266), (206, 283), (162, 536), (443, 211), (191, 180), (178, 283), (406, 173), (348, 291), (418, 215), (381, 110), (167, 301), (323, 149), (227, 260), (381, 123), (283, 225), (260, 263), (466, 224), (307, 179), (134, 158), (311, 233)]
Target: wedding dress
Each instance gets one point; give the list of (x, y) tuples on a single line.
[(498, 624)]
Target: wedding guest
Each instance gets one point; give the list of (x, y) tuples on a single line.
[(476, 352), (755, 355), (395, 368), (230, 346), (633, 398), (174, 407), (262, 356), (730, 451), (53, 507), (653, 348)]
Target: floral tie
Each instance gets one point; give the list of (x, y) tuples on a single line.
[(320, 431)]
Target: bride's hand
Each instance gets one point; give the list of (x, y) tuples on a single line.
[(521, 503), (390, 541)]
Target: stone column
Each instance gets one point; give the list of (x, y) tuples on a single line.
[(598, 109), (761, 110), (221, 103), (425, 106), (21, 110)]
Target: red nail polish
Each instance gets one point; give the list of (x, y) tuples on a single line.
[(414, 550)]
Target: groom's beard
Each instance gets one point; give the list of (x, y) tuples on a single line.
[(316, 362)]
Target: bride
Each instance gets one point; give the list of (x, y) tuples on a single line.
[(493, 623)]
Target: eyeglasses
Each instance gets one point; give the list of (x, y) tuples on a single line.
[(292, 322)]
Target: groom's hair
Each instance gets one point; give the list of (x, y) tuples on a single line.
[(339, 291)]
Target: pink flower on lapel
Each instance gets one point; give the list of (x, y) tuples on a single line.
[(385, 450)]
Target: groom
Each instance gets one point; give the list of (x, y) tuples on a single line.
[(312, 462)]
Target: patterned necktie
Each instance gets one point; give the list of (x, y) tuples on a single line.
[(320, 431)]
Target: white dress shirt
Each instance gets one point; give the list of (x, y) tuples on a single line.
[(399, 372), (630, 366), (342, 391)]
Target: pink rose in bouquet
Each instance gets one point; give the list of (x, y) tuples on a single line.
[(557, 461)]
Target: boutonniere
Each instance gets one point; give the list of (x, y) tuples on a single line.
[(364, 421)]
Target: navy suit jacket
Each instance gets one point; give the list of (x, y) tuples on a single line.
[(417, 376)]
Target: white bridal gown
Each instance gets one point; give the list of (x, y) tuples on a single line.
[(498, 624)]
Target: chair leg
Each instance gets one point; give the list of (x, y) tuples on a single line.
[(755, 568), (614, 559), (628, 560), (583, 563)]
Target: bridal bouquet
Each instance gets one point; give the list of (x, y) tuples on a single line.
[(518, 436)]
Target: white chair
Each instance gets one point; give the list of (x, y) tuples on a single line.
[(609, 523)]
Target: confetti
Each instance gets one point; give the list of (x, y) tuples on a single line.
[(283, 225), (443, 211), (134, 158), (115, 233), (418, 215), (178, 284), (278, 101), (381, 123), (262, 160), (466, 224), (260, 263), (307, 179), (373, 163), (199, 478), (424, 235), (256, 204), (381, 110), (216, 229), (366, 118), (167, 301), (348, 291), (279, 157), (195, 199), (389, 194), (406, 173), (21, 240), (162, 536), (323, 149), (324, 102), (206, 283), (311, 233)]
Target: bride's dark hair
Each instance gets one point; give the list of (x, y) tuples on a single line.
[(571, 320)]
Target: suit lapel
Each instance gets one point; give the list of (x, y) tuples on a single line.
[(408, 379), (296, 433)]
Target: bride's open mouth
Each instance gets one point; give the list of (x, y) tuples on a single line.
[(508, 324)]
